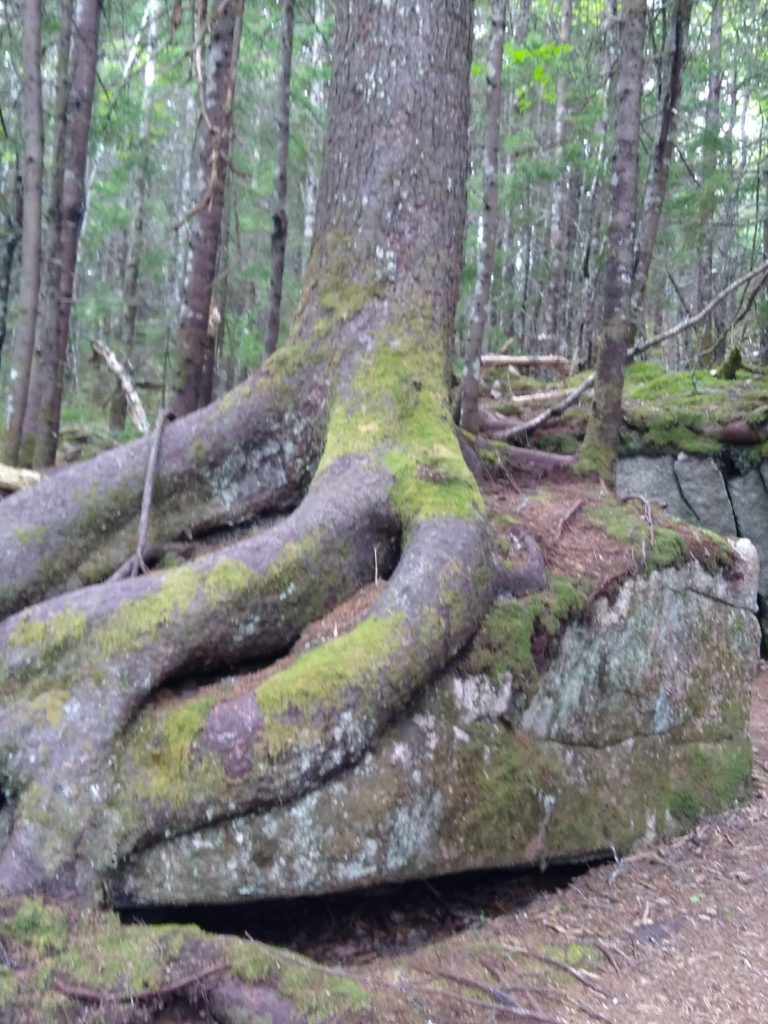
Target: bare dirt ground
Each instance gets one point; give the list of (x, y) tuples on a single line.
[(678, 933)]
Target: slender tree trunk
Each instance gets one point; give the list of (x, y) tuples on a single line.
[(31, 239), (470, 385), (554, 308), (217, 84), (279, 210), (119, 408), (48, 312), (764, 308), (598, 451), (704, 287), (673, 61), (317, 103), (9, 242), (82, 63)]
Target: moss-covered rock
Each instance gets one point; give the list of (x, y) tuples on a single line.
[(567, 729)]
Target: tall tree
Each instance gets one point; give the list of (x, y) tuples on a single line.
[(216, 70), (670, 86), (470, 385), (350, 425), (279, 211), (40, 432), (601, 442), (32, 218), (709, 161)]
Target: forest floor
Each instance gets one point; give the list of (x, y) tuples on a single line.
[(677, 933)]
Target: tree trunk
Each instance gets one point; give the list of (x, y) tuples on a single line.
[(119, 406), (49, 300), (763, 319), (470, 384), (29, 282), (673, 61), (350, 427), (217, 86), (554, 309), (279, 211), (10, 236), (601, 441), (704, 289)]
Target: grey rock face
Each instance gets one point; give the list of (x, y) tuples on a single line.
[(655, 480), (704, 491), (638, 725)]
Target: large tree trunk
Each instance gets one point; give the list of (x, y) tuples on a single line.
[(349, 426), (601, 441), (217, 92), (32, 218)]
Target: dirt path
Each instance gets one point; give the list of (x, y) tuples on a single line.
[(676, 934)]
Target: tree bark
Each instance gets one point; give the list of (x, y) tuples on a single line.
[(349, 428), (555, 305), (217, 87), (279, 210), (119, 406), (601, 441), (31, 238), (470, 383), (704, 281), (673, 61), (49, 301)]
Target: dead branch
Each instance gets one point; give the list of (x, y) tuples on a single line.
[(532, 397), (136, 562), (557, 363), (550, 961), (115, 366), (13, 479), (563, 521), (692, 321), (517, 429), (95, 995)]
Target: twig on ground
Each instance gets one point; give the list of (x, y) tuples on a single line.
[(579, 975), (564, 520), (94, 995)]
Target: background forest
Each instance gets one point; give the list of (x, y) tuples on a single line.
[(163, 150)]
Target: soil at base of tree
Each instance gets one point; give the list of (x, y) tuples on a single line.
[(677, 933)]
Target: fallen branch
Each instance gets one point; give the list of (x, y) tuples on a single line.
[(13, 479), (550, 961), (95, 995), (519, 429), (563, 521), (559, 364), (115, 366)]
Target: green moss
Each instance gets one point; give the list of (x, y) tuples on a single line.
[(504, 641), (506, 777), (30, 534), (226, 578), (621, 522), (575, 954), (321, 678), (134, 623), (709, 779), (50, 704), (400, 410), (52, 633), (44, 928), (10, 985), (677, 437)]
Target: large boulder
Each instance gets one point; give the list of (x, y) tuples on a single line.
[(637, 725)]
